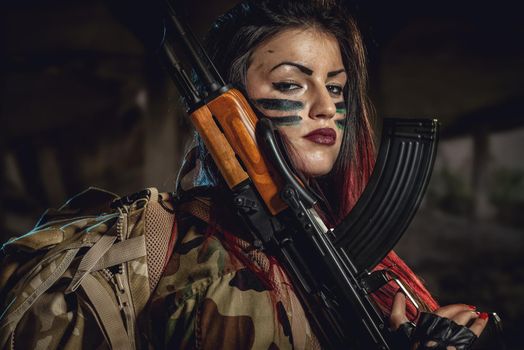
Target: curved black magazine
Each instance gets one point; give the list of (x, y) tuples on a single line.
[(394, 192)]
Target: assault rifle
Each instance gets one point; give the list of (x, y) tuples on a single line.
[(330, 269)]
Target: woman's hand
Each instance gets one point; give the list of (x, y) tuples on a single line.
[(447, 328)]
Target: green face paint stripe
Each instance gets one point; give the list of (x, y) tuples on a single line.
[(341, 107), (274, 104)]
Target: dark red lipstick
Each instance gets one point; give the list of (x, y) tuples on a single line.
[(324, 136)]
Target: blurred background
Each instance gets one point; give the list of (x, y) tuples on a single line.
[(82, 103)]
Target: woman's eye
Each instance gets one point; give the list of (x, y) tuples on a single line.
[(335, 90), (286, 86)]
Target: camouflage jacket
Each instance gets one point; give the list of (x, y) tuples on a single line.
[(211, 298)]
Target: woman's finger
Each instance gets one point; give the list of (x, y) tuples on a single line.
[(398, 311), (449, 311), (480, 323), (464, 317)]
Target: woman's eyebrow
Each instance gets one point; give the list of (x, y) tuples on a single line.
[(302, 68), (305, 69), (335, 72)]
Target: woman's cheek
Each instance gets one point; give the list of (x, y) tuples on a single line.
[(310, 157), (292, 133)]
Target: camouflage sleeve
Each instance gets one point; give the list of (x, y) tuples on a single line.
[(233, 312)]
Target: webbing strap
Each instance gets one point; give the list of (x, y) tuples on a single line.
[(89, 261), (107, 312), (75, 246), (14, 316), (88, 238), (88, 241), (153, 194), (121, 252)]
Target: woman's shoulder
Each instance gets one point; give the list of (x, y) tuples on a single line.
[(198, 260)]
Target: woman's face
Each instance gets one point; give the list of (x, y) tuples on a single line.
[(297, 79)]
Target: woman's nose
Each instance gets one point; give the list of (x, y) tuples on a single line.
[(323, 105)]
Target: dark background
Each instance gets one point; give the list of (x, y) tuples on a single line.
[(82, 103)]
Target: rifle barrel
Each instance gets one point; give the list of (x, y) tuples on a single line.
[(179, 76), (205, 72)]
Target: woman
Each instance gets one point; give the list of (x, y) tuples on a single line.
[(302, 64)]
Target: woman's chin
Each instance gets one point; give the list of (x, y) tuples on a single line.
[(314, 166), (315, 171)]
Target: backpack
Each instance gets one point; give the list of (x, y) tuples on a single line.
[(83, 276)]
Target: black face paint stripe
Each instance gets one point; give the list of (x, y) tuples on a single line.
[(284, 120), (275, 104)]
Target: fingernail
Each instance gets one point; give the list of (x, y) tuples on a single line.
[(483, 316), (478, 313), (472, 307)]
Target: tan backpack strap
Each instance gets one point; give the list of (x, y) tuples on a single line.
[(153, 194), (107, 312), (121, 252), (159, 224), (89, 260), (198, 207)]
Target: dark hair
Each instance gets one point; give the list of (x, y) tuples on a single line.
[(236, 34)]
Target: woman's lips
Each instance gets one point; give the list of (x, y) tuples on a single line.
[(324, 136)]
